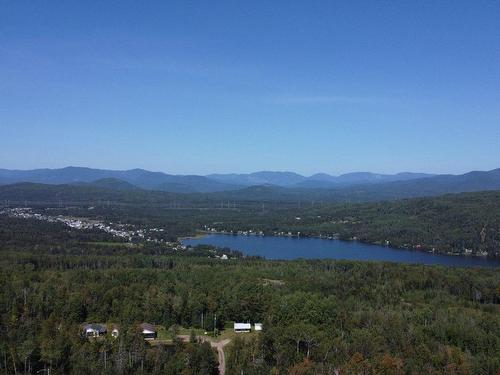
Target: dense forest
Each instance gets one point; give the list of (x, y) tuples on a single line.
[(320, 317)]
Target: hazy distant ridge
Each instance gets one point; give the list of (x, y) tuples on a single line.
[(137, 177), (192, 183), (288, 185), (117, 189)]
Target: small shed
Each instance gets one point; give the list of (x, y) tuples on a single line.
[(257, 327), (242, 327), (148, 331), (94, 330)]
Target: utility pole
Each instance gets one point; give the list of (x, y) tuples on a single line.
[(215, 323)]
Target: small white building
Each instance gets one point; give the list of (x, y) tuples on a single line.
[(115, 332), (242, 327), (148, 331), (257, 327)]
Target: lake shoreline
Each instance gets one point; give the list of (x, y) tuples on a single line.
[(194, 237), (275, 247), (335, 238)]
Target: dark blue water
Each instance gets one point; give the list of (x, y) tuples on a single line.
[(315, 248)]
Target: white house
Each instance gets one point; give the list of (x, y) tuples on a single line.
[(242, 327), (258, 327)]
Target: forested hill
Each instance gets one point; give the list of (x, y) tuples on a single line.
[(83, 193)]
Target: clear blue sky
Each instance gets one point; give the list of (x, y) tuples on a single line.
[(239, 86)]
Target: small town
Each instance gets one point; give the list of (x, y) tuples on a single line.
[(123, 231)]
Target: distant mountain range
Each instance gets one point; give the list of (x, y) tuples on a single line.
[(148, 180), (357, 186), (139, 178), (137, 185), (399, 189), (260, 178), (319, 180)]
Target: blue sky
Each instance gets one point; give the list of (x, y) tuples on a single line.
[(239, 86)]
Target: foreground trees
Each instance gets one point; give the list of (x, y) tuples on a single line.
[(320, 317)]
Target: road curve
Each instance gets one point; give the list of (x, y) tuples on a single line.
[(220, 351)]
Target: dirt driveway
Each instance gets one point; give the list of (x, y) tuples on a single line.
[(219, 345)]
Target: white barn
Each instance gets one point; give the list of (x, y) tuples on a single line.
[(242, 327)]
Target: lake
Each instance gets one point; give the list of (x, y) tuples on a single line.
[(315, 248)]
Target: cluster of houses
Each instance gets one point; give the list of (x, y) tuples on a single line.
[(147, 330), (247, 327), (249, 232), (124, 231)]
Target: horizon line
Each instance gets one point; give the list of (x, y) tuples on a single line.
[(242, 173)]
